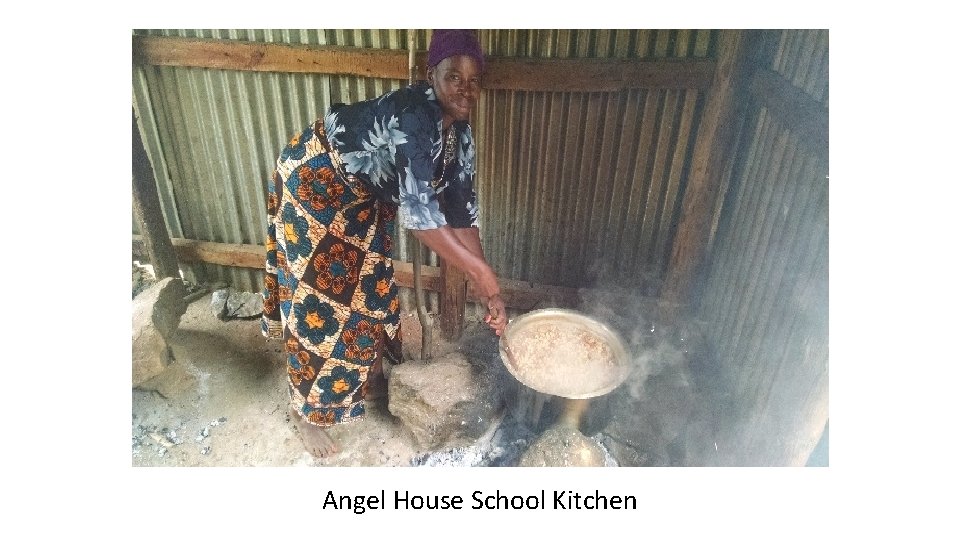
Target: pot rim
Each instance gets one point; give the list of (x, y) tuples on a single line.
[(610, 337)]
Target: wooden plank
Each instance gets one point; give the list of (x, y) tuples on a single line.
[(700, 197), (403, 275), (506, 73), (254, 256), (148, 212), (276, 57), (596, 74), (453, 300), (793, 108), (516, 294), (526, 296), (239, 255)]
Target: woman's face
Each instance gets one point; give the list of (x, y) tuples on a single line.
[(456, 82)]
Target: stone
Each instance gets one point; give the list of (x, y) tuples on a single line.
[(243, 305), (442, 401), (156, 315), (564, 446), (151, 355), (227, 303), (218, 303), (143, 277)]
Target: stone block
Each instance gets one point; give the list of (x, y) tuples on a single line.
[(156, 315), (229, 304), (564, 446), (443, 400)]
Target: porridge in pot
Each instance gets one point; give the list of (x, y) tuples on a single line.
[(564, 353)]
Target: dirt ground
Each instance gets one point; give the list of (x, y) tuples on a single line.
[(225, 404), (231, 408)]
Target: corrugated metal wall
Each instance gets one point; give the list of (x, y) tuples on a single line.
[(214, 135), (765, 303), (586, 186), (573, 187)]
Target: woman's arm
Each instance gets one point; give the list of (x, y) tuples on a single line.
[(470, 238), (461, 248)]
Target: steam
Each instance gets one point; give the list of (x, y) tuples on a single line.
[(664, 411), (650, 346)]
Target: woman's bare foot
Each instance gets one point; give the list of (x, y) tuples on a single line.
[(315, 438)]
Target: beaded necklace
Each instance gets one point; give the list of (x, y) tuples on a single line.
[(449, 148)]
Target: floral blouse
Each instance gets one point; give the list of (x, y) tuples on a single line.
[(394, 144)]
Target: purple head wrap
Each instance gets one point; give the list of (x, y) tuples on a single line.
[(447, 43)]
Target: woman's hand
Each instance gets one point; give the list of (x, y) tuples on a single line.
[(496, 313), (461, 248)]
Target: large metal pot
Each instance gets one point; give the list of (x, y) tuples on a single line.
[(564, 353)]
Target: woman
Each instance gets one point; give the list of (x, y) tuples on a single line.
[(336, 191)]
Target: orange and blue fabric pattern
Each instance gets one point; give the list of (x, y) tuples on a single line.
[(329, 289)]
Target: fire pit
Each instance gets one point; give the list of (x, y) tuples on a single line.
[(566, 354)]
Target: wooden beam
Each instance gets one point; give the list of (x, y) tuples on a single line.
[(453, 300), (148, 212), (516, 294), (194, 251), (403, 275), (526, 296), (596, 74), (793, 108), (700, 196), (502, 73), (278, 57)]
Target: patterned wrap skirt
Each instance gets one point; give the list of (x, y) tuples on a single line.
[(329, 290)]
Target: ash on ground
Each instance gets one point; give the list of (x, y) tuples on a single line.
[(154, 439), (512, 445), (510, 440)]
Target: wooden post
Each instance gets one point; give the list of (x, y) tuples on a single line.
[(148, 213), (714, 139), (453, 300)]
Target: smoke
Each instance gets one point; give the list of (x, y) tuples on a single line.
[(650, 346), (664, 413), (652, 362)]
